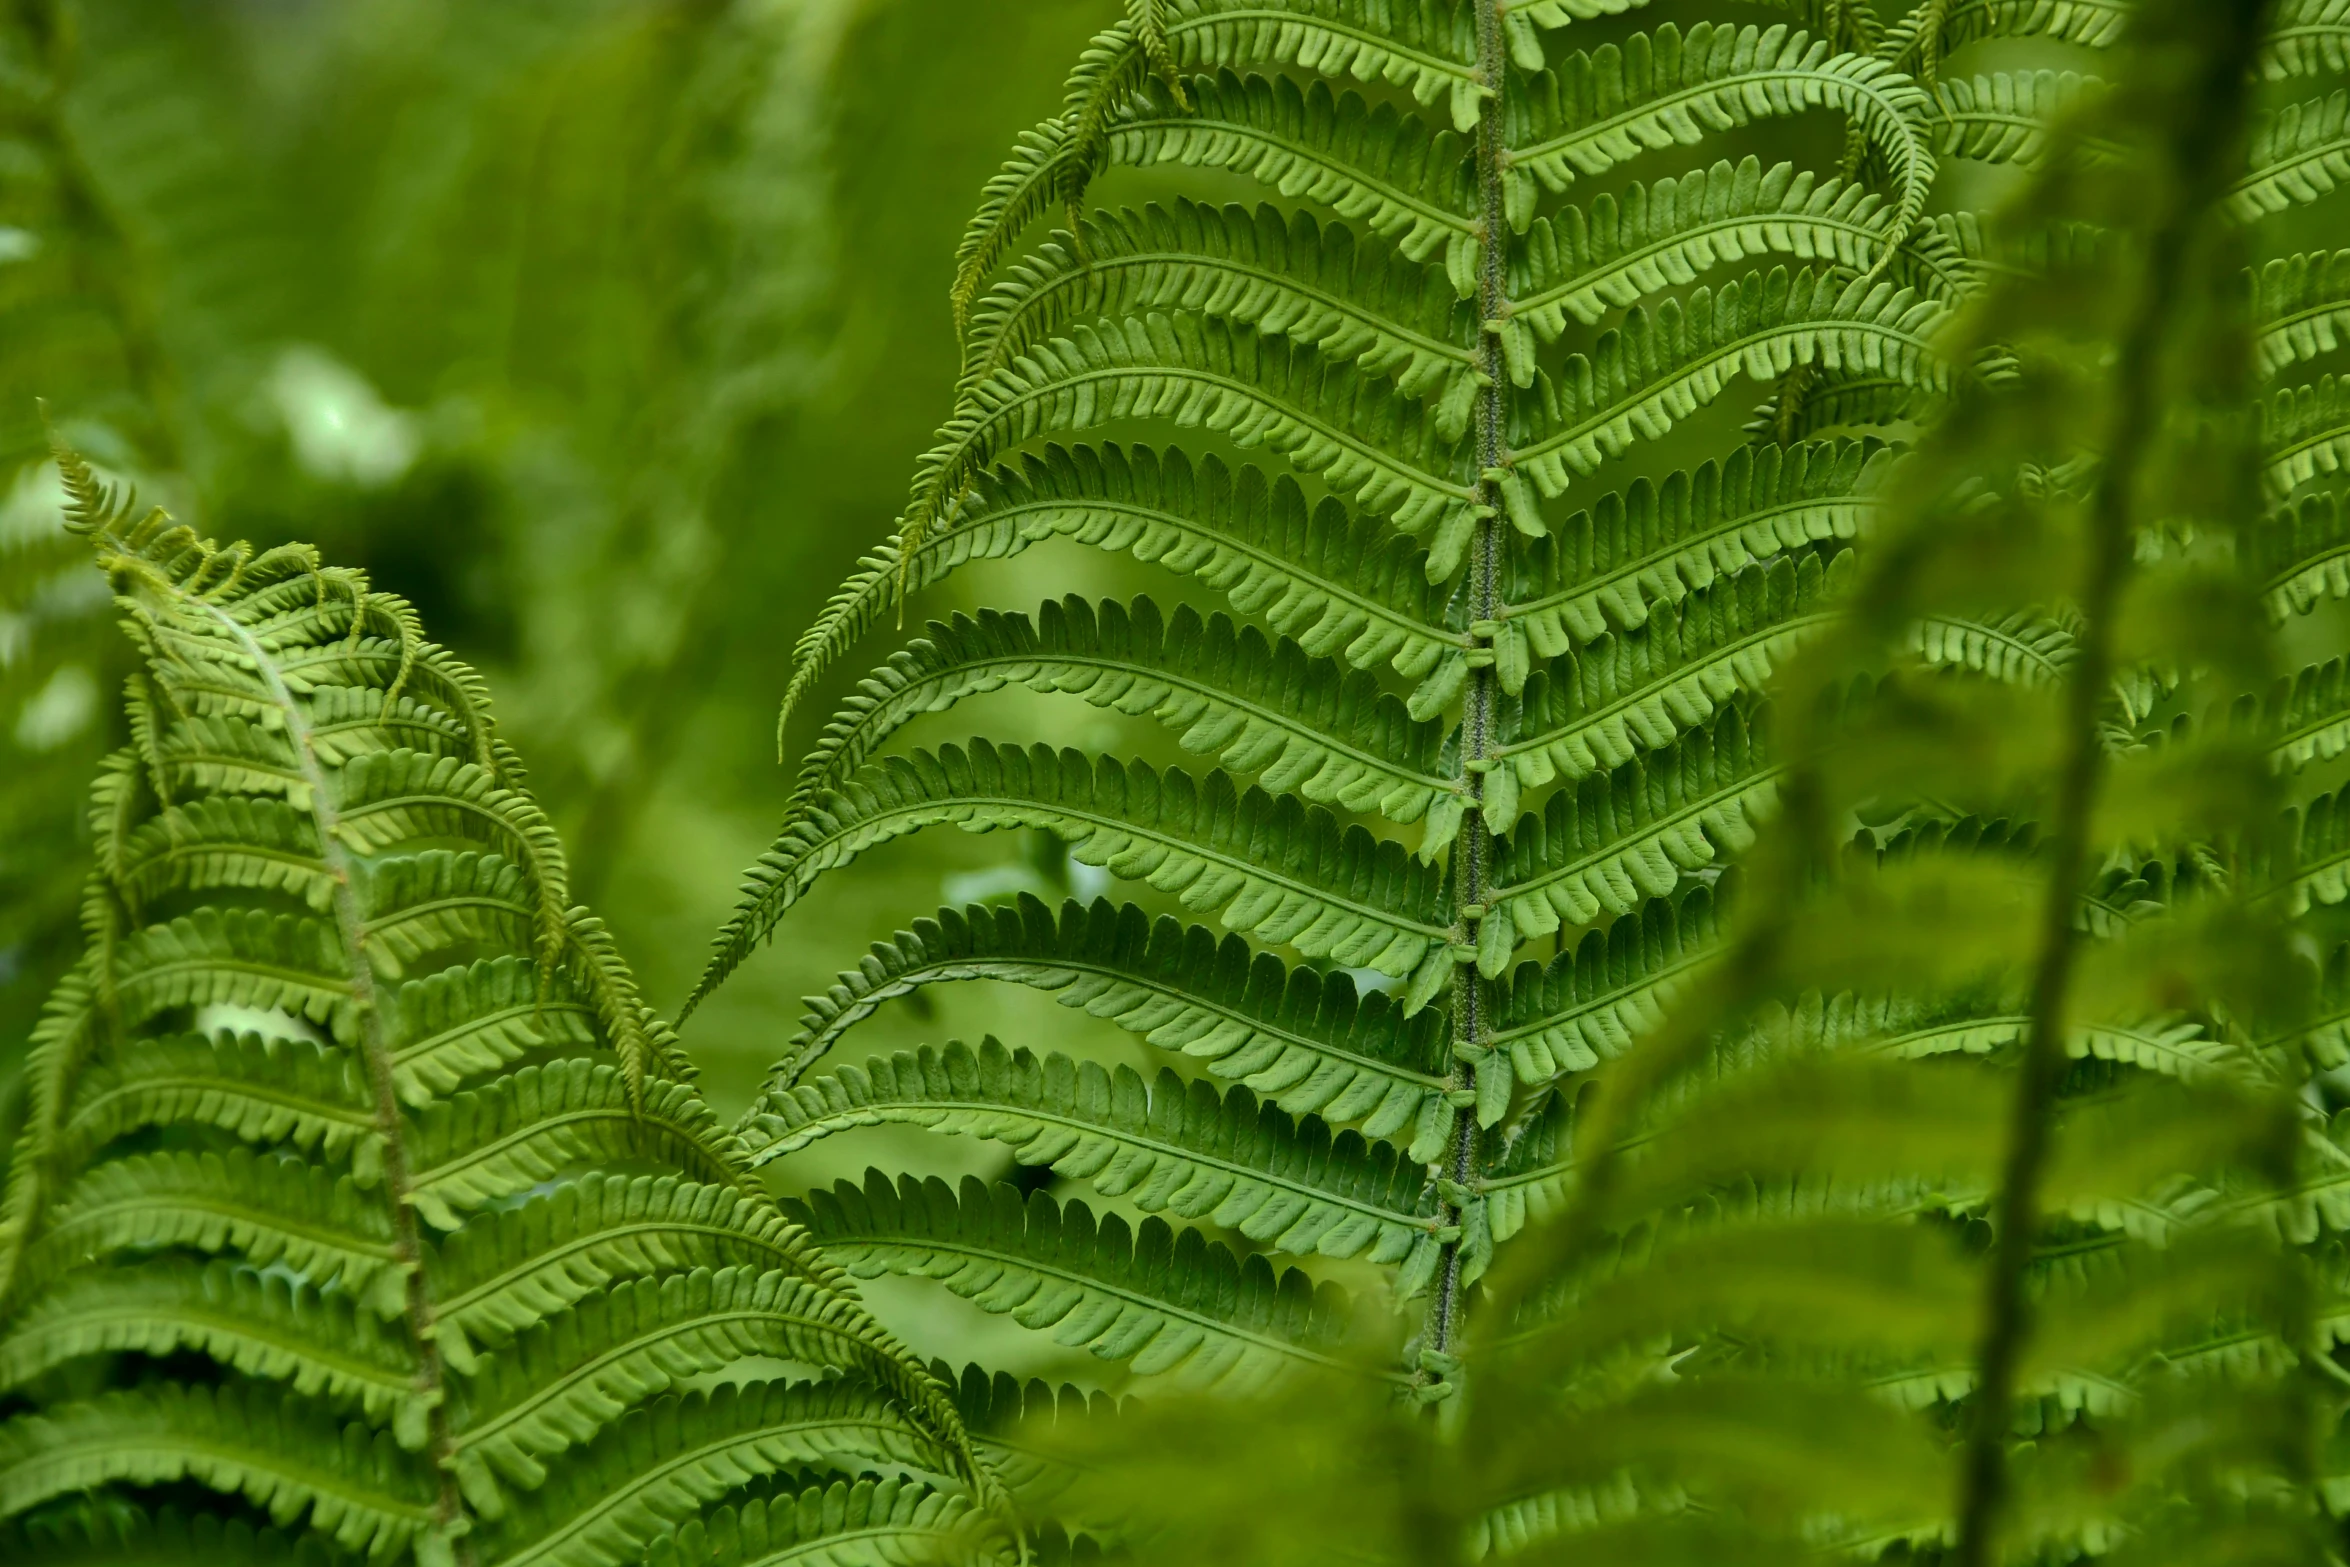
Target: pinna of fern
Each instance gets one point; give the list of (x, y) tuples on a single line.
[(362, 1196)]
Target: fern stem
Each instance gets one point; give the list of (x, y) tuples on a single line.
[(2198, 138), (1472, 1028), (375, 1053)]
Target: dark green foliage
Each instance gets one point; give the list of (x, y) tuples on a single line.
[(326, 1197)]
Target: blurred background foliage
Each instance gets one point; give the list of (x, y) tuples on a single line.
[(606, 332)]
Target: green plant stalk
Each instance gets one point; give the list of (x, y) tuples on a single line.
[(1472, 1030), (2203, 138), (375, 1054)]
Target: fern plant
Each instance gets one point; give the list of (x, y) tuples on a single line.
[(1491, 718), (1495, 688), (362, 1196)]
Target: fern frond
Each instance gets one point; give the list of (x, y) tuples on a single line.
[(289, 1458), (1640, 691), (1379, 167), (1356, 436), (1344, 586), (1305, 1041), (1665, 233), (2008, 116), (575, 1374), (2300, 303), (260, 1324), (1161, 1145), (1659, 542), (664, 1463), (1670, 88), (515, 1266), (1619, 838), (1657, 369), (1908, 42), (1428, 49), (2301, 554), (534, 1124), (1290, 277), (1166, 1300), (1588, 1005), (265, 1208), (2307, 38), (263, 1091), (2022, 647), (889, 1523), (2304, 432), (120, 1535), (2300, 152), (1303, 725), (1269, 865)]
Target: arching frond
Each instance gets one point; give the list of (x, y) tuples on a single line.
[(2007, 116), (1344, 586), (1164, 1299), (1161, 1145), (1302, 724), (1619, 838), (1282, 276), (1306, 1041), (1667, 232), (1640, 691), (1376, 166), (1670, 88), (1656, 370), (896, 1523), (1268, 865), (1359, 438), (2299, 154)]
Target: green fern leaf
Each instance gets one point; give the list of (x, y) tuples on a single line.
[(1424, 47), (1656, 370), (289, 1458), (1588, 1005), (1666, 233), (1305, 1041), (1669, 88), (543, 1121), (1166, 1300), (2299, 154), (1269, 866), (1303, 725), (1344, 586), (119, 1535), (2305, 431), (2307, 38), (664, 1463), (2007, 116), (1617, 839), (260, 1324), (891, 1523), (1657, 543), (577, 1373), (1162, 1146), (1287, 277), (262, 1091), (2301, 303), (1640, 691), (2091, 24), (504, 1273), (1374, 166), (268, 1209), (1359, 438)]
